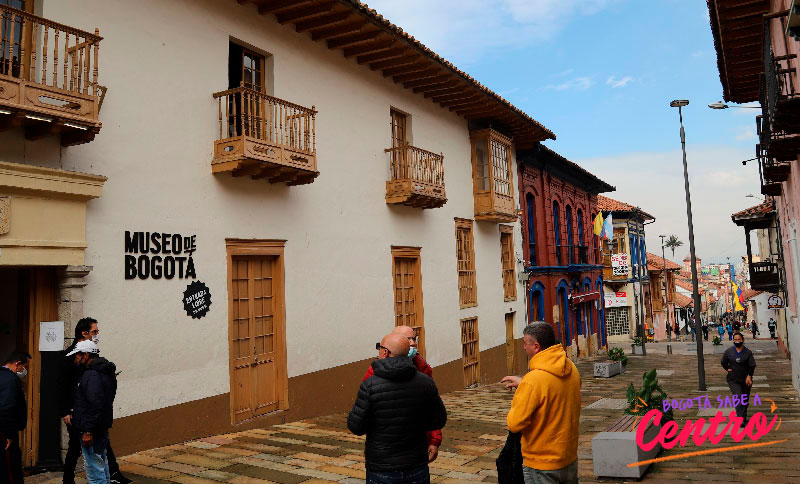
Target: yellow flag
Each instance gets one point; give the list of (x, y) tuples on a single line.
[(737, 297), (598, 223)]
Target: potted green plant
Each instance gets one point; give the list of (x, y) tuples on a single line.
[(636, 347), (717, 345)]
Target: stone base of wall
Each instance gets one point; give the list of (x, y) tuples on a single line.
[(315, 394)]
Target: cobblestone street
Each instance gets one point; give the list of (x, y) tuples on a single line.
[(322, 450)]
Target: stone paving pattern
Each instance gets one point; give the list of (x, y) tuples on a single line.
[(322, 450)]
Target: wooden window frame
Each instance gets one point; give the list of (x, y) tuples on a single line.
[(274, 248), (466, 224), (507, 244), (411, 253), (477, 351)]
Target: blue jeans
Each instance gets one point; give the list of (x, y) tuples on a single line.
[(565, 475), (416, 475), (96, 464)]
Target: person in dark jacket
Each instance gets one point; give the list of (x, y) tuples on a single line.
[(13, 415), (86, 329), (395, 408), (739, 362), (93, 408), (434, 436)]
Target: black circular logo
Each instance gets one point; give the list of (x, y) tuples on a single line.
[(196, 300)]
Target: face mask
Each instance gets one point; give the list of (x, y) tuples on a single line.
[(412, 352), (96, 339), (23, 373), (738, 344)]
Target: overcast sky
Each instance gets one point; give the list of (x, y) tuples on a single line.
[(600, 74)]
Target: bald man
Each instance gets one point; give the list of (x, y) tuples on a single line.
[(395, 408), (435, 436)]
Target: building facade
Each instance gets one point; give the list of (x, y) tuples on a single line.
[(247, 196), (561, 251), (625, 270), (661, 273)]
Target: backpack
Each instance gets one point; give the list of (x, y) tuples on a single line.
[(509, 462)]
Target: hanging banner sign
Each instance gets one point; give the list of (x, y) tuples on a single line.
[(615, 299), (619, 264), (159, 254), (775, 302), (196, 300)]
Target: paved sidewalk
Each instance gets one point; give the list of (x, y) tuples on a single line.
[(322, 450)]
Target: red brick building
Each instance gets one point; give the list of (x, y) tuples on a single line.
[(562, 254)]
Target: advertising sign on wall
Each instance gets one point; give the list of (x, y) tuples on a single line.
[(775, 302), (615, 299), (619, 264)]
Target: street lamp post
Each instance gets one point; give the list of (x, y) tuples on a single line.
[(701, 371)]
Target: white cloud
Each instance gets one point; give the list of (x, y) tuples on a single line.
[(577, 84), (615, 83), (654, 182), (744, 133), (463, 31)]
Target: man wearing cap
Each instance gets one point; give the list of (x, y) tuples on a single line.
[(434, 436), (395, 408), (93, 407)]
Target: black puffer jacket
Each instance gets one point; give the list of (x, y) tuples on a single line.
[(93, 404), (395, 408), (13, 409)]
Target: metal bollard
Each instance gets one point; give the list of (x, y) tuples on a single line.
[(669, 349)]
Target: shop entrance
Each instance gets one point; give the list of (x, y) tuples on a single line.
[(28, 297)]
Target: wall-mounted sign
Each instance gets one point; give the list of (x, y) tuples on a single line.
[(160, 255), (51, 335), (619, 264), (196, 300), (775, 302), (615, 299)]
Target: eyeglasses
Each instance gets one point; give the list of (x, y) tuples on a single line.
[(379, 347)]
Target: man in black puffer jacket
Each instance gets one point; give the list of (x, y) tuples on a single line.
[(395, 408), (93, 408)]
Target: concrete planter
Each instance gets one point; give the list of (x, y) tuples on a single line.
[(719, 349), (613, 451), (607, 369), (636, 350)]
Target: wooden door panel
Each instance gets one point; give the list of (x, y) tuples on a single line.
[(510, 343), (408, 297), (266, 394)]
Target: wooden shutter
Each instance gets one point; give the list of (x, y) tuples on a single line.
[(470, 353), (465, 256), (508, 262), (407, 281)]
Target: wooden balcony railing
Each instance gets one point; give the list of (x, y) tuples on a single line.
[(265, 137), (48, 78), (416, 177), (764, 276)]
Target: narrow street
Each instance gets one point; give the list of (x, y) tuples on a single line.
[(322, 450)]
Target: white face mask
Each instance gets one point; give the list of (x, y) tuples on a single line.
[(23, 373), (96, 339), (412, 352)]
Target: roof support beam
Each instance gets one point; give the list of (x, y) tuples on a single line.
[(330, 32), (271, 6), (321, 21), (303, 12), (448, 99), (439, 86), (368, 48), (417, 75), (426, 82), (353, 39), (394, 71), (384, 54), (453, 88), (400, 60)]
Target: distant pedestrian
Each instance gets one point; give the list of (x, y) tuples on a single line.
[(93, 408), (772, 326), (693, 331), (754, 328), (669, 330), (13, 415), (705, 331), (87, 329), (546, 409), (737, 326), (729, 328), (739, 362), (721, 331), (395, 408), (677, 331), (434, 436)]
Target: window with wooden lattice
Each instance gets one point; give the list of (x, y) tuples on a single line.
[(465, 256), (507, 258), (407, 282), (470, 351)]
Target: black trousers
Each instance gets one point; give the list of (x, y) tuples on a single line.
[(740, 388), (10, 462), (74, 453)]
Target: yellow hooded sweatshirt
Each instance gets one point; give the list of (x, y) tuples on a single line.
[(546, 410)]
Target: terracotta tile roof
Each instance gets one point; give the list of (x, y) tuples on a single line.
[(656, 263), (750, 293), (759, 210), (681, 301), (688, 285), (362, 33), (610, 205)]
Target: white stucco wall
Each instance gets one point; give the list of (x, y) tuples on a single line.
[(161, 62)]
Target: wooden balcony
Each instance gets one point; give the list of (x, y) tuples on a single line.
[(265, 137), (764, 276), (492, 176), (416, 178), (48, 78)]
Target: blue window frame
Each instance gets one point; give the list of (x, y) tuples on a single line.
[(579, 214), (557, 230), (595, 256), (601, 312), (531, 229), (562, 291), (634, 259), (536, 304), (568, 210)]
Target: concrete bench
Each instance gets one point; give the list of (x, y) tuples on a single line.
[(607, 369), (615, 448)]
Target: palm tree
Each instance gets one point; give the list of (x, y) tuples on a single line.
[(673, 243)]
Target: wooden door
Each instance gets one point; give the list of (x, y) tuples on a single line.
[(470, 355), (510, 343), (254, 327), (408, 292)]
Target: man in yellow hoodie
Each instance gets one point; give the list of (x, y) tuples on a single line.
[(546, 409)]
